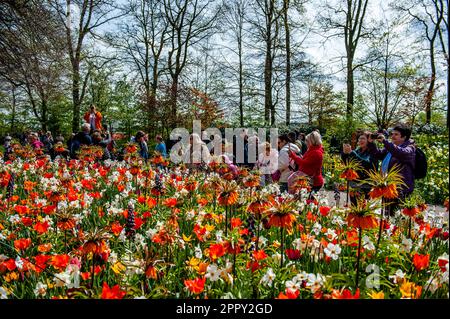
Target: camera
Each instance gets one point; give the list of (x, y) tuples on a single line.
[(374, 136)]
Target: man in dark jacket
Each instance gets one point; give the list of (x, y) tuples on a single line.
[(401, 151), (81, 138)]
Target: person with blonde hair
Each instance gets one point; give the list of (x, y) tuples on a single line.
[(311, 162)]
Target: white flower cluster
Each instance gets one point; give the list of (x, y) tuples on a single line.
[(70, 278), (268, 278), (214, 273), (436, 281)]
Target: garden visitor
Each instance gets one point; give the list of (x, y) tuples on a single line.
[(141, 139), (102, 141), (94, 118), (34, 141), (252, 152), (161, 146), (81, 138), (302, 139), (267, 162), (286, 165), (8, 148), (196, 153), (311, 162), (362, 156), (401, 151)]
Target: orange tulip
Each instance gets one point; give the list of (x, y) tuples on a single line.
[(22, 244)]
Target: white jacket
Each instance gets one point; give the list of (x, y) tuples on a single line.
[(284, 161), (268, 164)]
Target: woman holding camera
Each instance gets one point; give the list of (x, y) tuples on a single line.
[(362, 155), (400, 151), (311, 162)]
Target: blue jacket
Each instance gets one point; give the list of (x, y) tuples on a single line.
[(161, 148), (367, 161)]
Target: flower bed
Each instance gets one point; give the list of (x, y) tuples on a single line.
[(82, 229)]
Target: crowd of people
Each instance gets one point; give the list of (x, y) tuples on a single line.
[(296, 156)]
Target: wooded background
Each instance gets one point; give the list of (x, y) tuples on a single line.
[(158, 64)]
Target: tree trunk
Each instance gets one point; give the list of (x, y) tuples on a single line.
[(13, 115), (288, 63), (430, 91), (350, 87), (44, 121), (268, 82), (76, 98), (173, 101), (241, 83)]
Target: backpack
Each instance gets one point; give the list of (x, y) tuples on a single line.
[(421, 168)]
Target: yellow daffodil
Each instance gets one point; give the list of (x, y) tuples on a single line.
[(118, 267), (376, 295), (187, 238)]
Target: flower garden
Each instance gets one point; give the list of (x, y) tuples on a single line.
[(113, 230)]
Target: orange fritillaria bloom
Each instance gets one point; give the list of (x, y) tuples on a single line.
[(281, 220), (252, 181), (196, 285), (363, 222), (191, 185), (112, 293), (411, 212), (389, 192), (94, 247), (421, 262), (227, 198), (349, 174), (281, 214), (66, 224)]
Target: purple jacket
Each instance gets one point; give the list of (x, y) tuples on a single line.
[(404, 155)]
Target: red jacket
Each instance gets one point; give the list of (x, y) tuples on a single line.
[(311, 163)]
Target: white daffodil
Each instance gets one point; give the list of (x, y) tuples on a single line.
[(212, 272), (367, 243), (40, 290), (406, 244), (268, 278), (332, 251)]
